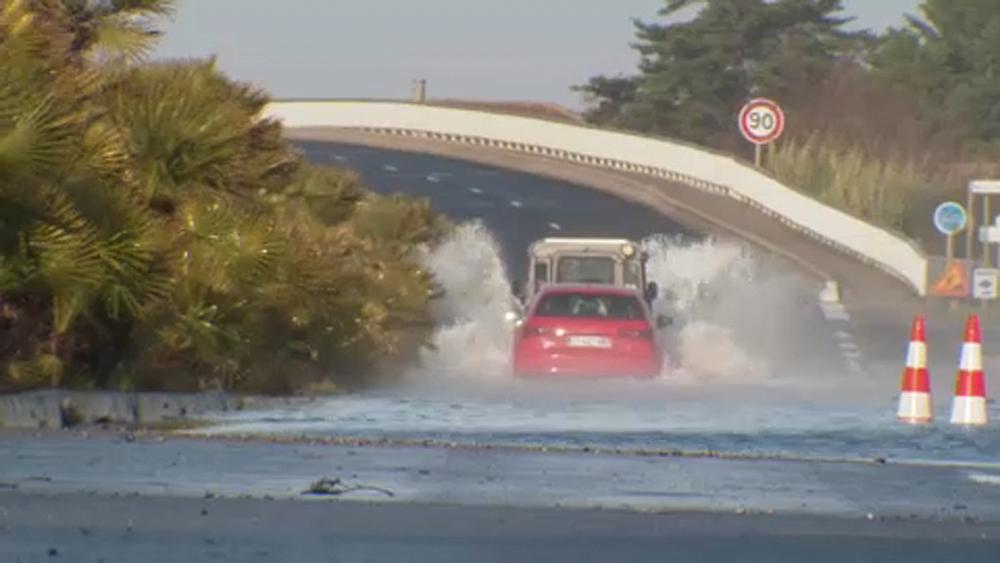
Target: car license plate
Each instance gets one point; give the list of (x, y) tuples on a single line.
[(589, 342)]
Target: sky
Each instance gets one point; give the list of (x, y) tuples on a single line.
[(510, 50)]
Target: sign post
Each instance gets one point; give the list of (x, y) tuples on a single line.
[(970, 232), (950, 219), (984, 188), (761, 123)]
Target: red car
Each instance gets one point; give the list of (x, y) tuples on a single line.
[(588, 330)]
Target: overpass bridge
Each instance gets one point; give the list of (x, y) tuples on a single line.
[(707, 191)]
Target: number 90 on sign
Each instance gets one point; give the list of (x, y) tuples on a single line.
[(761, 121)]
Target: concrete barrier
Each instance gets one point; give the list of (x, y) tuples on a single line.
[(31, 410), (674, 161), (62, 409)]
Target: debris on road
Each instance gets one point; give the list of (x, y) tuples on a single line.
[(334, 487)]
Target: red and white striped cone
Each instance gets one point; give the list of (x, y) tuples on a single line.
[(915, 395), (969, 406)]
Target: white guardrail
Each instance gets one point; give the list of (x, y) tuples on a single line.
[(673, 161)]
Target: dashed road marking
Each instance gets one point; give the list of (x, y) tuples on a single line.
[(339, 157), (855, 367), (476, 191), (435, 177), (390, 168), (850, 352), (835, 312), (516, 203), (555, 226)]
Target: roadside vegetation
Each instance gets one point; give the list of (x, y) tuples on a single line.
[(156, 233), (882, 125), (844, 175)]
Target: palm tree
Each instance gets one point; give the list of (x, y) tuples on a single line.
[(111, 30), (156, 232), (70, 234)]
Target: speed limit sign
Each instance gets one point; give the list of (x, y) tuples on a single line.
[(761, 121)]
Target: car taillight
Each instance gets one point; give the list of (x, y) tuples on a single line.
[(645, 334)]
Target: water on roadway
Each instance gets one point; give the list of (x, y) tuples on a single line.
[(756, 367)]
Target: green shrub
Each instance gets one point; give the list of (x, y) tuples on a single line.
[(156, 233)]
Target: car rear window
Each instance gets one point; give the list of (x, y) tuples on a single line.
[(590, 306)]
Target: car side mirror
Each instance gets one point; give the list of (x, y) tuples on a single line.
[(516, 287), (436, 292), (663, 321), (652, 291)]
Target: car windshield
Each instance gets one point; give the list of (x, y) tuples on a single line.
[(589, 305), (591, 269)]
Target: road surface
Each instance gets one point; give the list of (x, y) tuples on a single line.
[(519, 208), (112, 498)]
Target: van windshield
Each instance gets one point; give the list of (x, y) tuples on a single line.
[(589, 269), (591, 306)]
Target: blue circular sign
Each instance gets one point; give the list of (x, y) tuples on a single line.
[(950, 218)]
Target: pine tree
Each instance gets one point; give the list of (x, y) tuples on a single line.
[(951, 57), (694, 75)]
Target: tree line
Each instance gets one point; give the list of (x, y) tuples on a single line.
[(156, 233), (881, 124)]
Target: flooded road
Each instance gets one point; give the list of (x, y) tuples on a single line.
[(489, 475), (787, 420)]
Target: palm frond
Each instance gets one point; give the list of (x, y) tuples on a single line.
[(112, 32), (38, 139), (133, 282), (122, 38), (69, 261)]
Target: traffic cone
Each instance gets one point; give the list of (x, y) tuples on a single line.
[(969, 406), (915, 395)]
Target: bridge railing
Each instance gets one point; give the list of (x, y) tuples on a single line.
[(674, 161)]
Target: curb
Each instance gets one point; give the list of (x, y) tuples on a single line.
[(55, 409)]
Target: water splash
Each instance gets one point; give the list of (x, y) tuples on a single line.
[(473, 339), (985, 478), (689, 271), (697, 280), (715, 292)]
